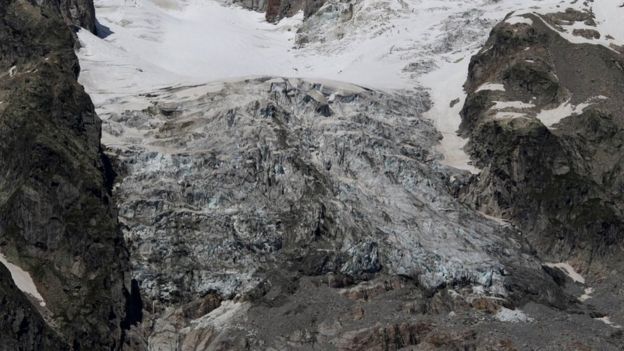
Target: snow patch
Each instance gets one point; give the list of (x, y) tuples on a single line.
[(445, 83), (586, 294), (22, 280), (569, 270), (512, 316), (608, 17), (491, 87), (566, 109), (607, 320), (519, 20), (499, 105)]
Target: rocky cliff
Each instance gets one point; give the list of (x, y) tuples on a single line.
[(275, 10), (21, 324), (78, 13), (57, 219), (545, 116)]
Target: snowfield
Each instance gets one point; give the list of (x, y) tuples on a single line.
[(23, 280), (381, 44)]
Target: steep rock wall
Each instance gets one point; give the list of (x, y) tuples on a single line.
[(546, 123), (57, 220)]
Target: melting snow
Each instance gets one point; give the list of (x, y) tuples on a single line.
[(491, 87), (514, 316), (608, 17), (22, 280), (606, 320), (499, 105), (519, 19), (586, 294), (569, 270), (566, 109)]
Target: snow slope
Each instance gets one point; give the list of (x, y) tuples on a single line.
[(387, 45), (22, 280)]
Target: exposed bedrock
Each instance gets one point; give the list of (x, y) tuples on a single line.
[(276, 10), (546, 122), (57, 219), (22, 326)]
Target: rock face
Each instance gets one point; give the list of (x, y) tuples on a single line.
[(57, 219), (277, 9), (548, 135), (80, 13), (22, 326)]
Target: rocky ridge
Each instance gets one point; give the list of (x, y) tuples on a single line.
[(544, 114), (275, 10), (57, 218), (541, 121)]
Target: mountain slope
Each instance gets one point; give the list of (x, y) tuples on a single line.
[(302, 185), (57, 220)]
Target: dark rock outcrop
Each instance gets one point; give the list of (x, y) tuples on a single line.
[(558, 179), (80, 13), (277, 9), (21, 326), (57, 219)]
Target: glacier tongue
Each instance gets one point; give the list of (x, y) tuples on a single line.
[(221, 179)]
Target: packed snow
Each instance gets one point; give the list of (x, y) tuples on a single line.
[(22, 280)]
